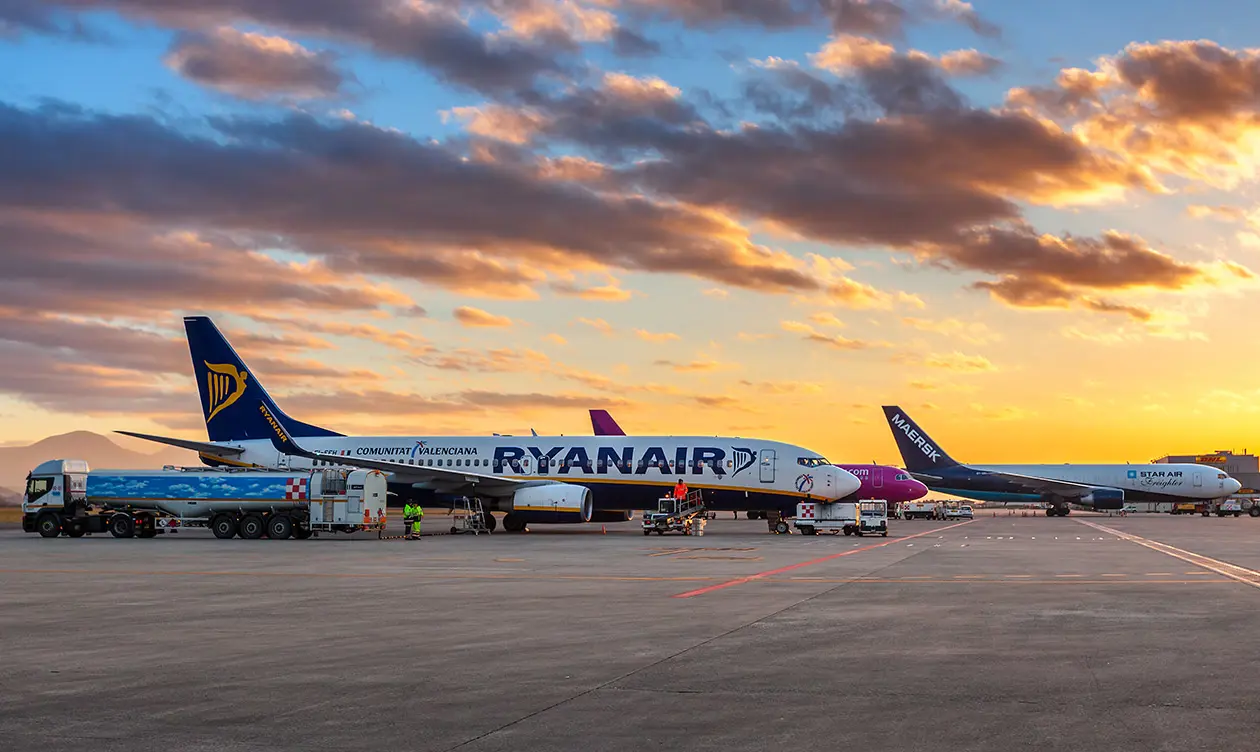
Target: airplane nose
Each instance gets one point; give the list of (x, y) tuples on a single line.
[(920, 488), (1232, 485), (846, 482)]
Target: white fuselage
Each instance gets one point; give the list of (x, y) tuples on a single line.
[(1183, 480), (609, 465)]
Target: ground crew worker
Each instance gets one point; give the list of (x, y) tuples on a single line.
[(680, 490), (409, 517), (415, 523)]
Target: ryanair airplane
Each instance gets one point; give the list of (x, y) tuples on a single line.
[(534, 479)]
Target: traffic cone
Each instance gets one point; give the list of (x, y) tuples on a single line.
[(603, 529)]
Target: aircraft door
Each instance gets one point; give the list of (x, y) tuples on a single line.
[(767, 465), (877, 474), (1198, 480)]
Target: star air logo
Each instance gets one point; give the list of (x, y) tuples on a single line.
[(804, 483), (224, 386), (1132, 473)]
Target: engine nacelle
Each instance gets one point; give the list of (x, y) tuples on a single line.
[(1104, 498), (553, 503), (612, 515)]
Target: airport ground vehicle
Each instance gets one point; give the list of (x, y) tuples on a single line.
[(1226, 507), (1191, 507), (67, 497), (849, 517), (927, 510), (686, 516), (959, 512)]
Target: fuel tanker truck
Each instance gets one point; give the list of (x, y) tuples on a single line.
[(66, 497)]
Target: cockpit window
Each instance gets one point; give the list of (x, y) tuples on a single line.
[(812, 461), (902, 476)]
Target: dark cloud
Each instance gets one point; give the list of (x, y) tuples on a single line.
[(253, 66), (433, 35), (303, 183), (95, 265), (19, 17), (630, 43), (878, 18)]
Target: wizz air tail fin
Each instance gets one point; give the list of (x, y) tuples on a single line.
[(920, 453), (602, 424), (230, 394)]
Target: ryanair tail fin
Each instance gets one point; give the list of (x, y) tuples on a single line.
[(920, 453), (230, 395)]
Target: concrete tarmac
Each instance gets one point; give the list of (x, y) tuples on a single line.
[(1085, 633)]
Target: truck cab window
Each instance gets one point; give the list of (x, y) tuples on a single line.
[(37, 487)]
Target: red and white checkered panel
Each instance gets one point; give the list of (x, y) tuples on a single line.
[(295, 489), (807, 511)]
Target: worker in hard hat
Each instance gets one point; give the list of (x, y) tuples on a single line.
[(680, 490)]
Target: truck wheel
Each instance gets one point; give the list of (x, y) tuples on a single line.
[(223, 526), (122, 526), (48, 525), (1254, 511), (808, 529), (280, 527), (781, 528), (647, 532), (75, 532), (252, 527), (1237, 514)]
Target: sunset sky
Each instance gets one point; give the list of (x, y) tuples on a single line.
[(1034, 225)]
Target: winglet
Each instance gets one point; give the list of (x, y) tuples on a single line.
[(603, 424)]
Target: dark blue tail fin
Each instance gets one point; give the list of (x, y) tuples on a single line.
[(918, 451), (230, 395)]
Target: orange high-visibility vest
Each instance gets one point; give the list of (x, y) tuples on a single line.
[(680, 491)]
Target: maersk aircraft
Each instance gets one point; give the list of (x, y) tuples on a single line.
[(1095, 486), (891, 484), (533, 479)]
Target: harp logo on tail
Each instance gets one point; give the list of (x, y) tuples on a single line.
[(224, 385)]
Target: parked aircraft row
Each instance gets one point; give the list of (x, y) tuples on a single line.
[(608, 476)]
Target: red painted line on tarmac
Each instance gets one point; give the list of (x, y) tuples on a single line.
[(810, 563)]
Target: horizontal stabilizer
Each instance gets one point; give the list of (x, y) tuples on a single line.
[(196, 446)]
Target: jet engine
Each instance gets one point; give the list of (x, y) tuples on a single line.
[(553, 503), (1104, 498)]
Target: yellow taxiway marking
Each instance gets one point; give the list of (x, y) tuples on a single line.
[(1233, 571), (506, 559), (1118, 575), (1020, 576), (1069, 575)]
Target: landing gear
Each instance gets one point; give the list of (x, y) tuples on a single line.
[(491, 522), (1057, 511), (513, 523)]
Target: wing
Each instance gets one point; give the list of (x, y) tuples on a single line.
[(438, 479), (204, 447)]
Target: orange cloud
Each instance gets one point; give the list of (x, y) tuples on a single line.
[(647, 336), (475, 317), (834, 340)]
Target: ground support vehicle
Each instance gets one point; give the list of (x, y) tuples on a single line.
[(963, 512), (926, 510), (66, 497), (1226, 507), (848, 517), (686, 516)]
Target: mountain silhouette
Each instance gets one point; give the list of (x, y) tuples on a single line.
[(97, 450)]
